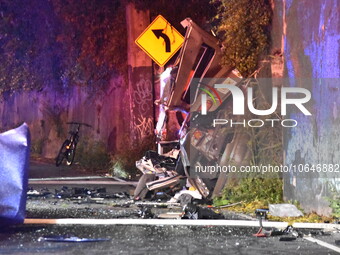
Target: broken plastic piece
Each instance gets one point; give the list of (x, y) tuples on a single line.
[(159, 196), (14, 157), (194, 194), (195, 212), (287, 238), (185, 199), (65, 192), (73, 239), (145, 212)]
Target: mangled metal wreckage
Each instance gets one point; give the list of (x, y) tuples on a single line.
[(194, 73)]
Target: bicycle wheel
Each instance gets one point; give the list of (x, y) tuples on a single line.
[(70, 154), (62, 153)]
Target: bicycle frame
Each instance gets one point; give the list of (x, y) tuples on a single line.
[(68, 149)]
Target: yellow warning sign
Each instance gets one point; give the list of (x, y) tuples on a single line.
[(160, 40)]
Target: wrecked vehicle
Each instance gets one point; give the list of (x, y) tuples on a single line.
[(196, 71)]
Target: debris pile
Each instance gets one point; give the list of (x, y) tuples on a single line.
[(81, 194)]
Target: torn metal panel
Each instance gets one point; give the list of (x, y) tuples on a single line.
[(199, 57)]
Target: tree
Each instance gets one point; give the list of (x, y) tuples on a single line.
[(60, 43), (63, 43), (29, 54), (200, 11), (93, 34), (242, 26)]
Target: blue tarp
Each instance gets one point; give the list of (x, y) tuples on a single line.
[(14, 160)]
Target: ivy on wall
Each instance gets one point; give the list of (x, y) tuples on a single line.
[(79, 42), (60, 43), (93, 33), (200, 11), (27, 50)]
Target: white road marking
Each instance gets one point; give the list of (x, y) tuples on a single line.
[(322, 243)]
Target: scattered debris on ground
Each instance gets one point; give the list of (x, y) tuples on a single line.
[(70, 239)]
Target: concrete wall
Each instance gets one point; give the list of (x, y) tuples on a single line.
[(121, 113), (310, 41), (47, 112), (141, 87)]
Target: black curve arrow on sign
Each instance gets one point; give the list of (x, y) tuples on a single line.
[(159, 33)]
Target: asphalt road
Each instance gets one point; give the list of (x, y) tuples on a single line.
[(46, 168), (151, 240), (135, 239), (43, 174)]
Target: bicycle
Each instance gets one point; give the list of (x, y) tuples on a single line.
[(68, 149)]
